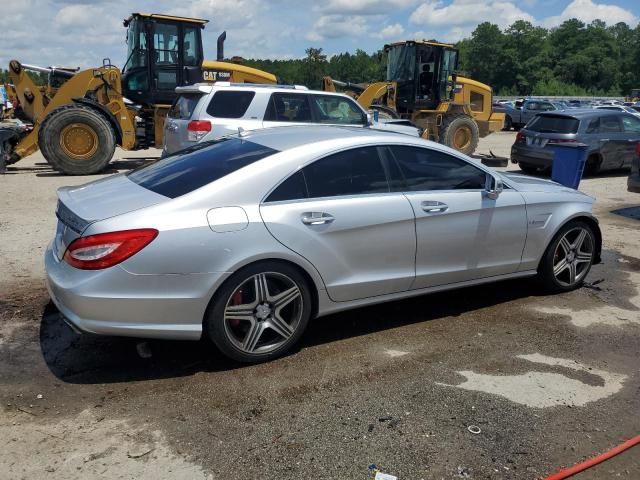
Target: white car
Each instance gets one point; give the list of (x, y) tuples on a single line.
[(209, 111), (619, 108)]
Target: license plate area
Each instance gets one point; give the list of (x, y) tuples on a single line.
[(538, 142)]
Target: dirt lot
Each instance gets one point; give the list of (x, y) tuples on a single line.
[(547, 380)]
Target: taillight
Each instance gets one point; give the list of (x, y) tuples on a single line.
[(197, 129), (520, 137), (561, 140), (638, 149), (105, 250)]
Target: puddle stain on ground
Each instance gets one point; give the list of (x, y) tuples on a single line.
[(544, 389), (604, 315)]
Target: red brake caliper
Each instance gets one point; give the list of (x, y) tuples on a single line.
[(236, 300)]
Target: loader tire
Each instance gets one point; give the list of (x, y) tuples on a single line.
[(77, 140), (385, 112), (460, 132)]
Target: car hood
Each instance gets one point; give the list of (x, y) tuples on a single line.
[(102, 199), (525, 183)]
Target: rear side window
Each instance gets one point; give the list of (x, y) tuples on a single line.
[(353, 172), (425, 169), (336, 110), (553, 124), (198, 166), (184, 106), (288, 107), (230, 104), (610, 124)]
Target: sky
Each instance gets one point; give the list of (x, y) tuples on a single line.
[(83, 32)]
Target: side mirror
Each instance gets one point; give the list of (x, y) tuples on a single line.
[(368, 120), (493, 187)]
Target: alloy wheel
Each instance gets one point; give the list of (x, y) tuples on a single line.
[(263, 312), (573, 256)]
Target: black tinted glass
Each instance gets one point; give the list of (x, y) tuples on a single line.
[(352, 172), (610, 124), (288, 107), (293, 188), (229, 104), (553, 124), (425, 169), (198, 166)]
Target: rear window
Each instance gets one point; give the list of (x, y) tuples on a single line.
[(553, 124), (225, 104), (198, 166), (184, 106)]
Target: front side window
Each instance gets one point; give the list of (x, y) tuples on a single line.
[(334, 109), (424, 169), (288, 107), (630, 124), (198, 166), (230, 104)]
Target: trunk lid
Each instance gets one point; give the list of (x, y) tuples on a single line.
[(78, 207)]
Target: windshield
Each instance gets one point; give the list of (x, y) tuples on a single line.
[(401, 63), (136, 46)]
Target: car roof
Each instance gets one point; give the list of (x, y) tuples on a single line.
[(205, 88), (581, 113), (292, 136)]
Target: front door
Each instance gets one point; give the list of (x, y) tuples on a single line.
[(461, 233), (340, 215)]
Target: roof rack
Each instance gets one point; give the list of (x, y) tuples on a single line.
[(261, 85)]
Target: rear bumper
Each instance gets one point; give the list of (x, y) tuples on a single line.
[(115, 302), (534, 157)]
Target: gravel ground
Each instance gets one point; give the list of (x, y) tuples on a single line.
[(544, 381)]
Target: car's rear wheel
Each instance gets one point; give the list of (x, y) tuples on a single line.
[(260, 312), (569, 257)]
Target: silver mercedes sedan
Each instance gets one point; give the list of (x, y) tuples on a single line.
[(246, 238)]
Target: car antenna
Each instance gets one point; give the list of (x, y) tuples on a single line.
[(241, 132)]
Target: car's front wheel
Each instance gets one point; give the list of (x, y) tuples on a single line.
[(260, 312), (569, 257)]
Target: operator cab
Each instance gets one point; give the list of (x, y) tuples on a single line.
[(163, 52), (424, 73)]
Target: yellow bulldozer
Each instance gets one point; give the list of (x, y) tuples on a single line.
[(79, 117), (422, 86)]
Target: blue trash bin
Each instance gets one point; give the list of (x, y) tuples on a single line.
[(568, 163)]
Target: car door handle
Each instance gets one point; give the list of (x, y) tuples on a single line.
[(316, 218), (604, 139), (434, 207)]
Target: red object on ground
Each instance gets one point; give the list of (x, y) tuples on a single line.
[(568, 472)]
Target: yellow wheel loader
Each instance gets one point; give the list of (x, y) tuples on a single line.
[(423, 87), (79, 117)]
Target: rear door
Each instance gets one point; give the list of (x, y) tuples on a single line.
[(340, 214), (611, 140), (631, 131), (461, 233)]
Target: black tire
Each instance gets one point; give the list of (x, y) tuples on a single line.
[(385, 112), (460, 123), (508, 123), (95, 148), (593, 166), (551, 259), (528, 169), (220, 329)]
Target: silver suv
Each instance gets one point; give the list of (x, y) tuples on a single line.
[(206, 111)]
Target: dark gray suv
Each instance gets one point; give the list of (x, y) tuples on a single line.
[(610, 136)]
